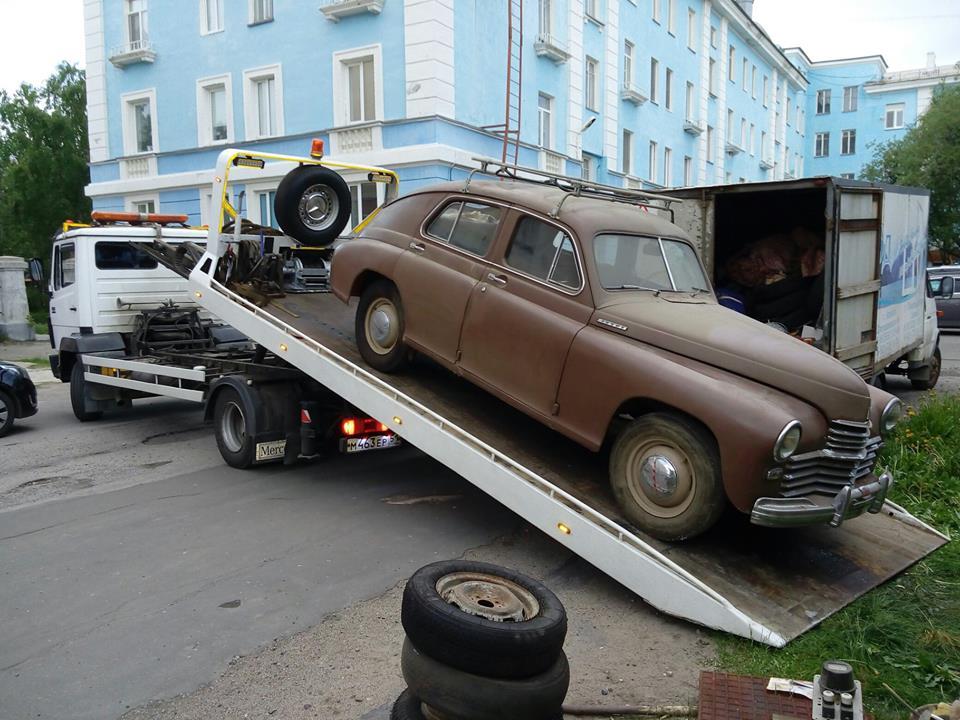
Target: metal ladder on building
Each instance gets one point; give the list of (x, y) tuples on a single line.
[(509, 129)]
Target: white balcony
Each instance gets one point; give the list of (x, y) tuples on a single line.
[(133, 52), (138, 166), (694, 127), (548, 46), (632, 94), (632, 183), (334, 10), (356, 139), (732, 148), (766, 162), (551, 162)]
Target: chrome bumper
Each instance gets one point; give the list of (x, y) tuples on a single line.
[(848, 503)]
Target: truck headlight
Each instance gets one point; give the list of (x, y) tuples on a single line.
[(890, 416), (787, 441)]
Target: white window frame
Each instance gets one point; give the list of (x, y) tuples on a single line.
[(851, 98), (251, 113), (710, 139), (626, 162), (687, 171), (821, 144), (590, 9), (753, 138), (251, 14), (732, 64), (691, 29), (545, 12), (132, 201), (766, 91), (545, 120), (667, 167), (895, 109), (629, 59), (824, 100), (205, 28), (713, 37), (591, 83), (672, 17), (712, 77), (753, 82), (690, 102), (127, 100), (655, 11), (204, 114), (743, 80), (848, 141), (668, 89), (341, 86), (652, 169), (654, 80), (143, 21), (588, 169)]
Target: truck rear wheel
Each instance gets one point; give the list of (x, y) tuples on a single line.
[(231, 428), (665, 475), (78, 395), (931, 381)]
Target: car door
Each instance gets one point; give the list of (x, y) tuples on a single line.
[(950, 306), (440, 270), (63, 291), (525, 313)]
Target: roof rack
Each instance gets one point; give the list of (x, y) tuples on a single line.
[(571, 186)]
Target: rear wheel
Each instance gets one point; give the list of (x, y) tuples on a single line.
[(6, 413), (929, 383), (232, 429), (78, 395), (379, 327), (665, 475)]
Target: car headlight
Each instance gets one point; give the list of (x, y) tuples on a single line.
[(787, 441), (890, 416)]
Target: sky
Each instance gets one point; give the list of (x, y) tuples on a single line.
[(48, 31)]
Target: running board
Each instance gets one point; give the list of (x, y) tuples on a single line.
[(766, 585)]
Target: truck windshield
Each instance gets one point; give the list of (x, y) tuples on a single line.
[(632, 262)]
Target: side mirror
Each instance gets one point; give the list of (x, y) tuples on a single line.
[(36, 271), (946, 286)]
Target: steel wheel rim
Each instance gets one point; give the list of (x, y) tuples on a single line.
[(666, 505), (382, 326), (319, 207), (233, 427), (488, 596)]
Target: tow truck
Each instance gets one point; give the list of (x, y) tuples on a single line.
[(763, 584)]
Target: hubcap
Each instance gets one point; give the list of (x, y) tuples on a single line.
[(661, 479), (319, 206), (233, 428), (383, 326), (488, 596)]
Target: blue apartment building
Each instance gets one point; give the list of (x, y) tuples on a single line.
[(634, 93)]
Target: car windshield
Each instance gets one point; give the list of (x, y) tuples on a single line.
[(633, 262)]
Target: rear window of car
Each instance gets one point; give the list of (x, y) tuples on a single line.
[(122, 256), (469, 226), (544, 251)]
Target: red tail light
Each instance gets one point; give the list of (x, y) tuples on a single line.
[(349, 426), (305, 418), (362, 426), (939, 313)]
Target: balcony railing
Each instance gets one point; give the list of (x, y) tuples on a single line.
[(632, 94), (733, 148), (138, 166), (336, 9), (552, 162), (766, 162), (133, 52), (692, 126), (546, 45)]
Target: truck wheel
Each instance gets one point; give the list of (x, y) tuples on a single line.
[(483, 618), (665, 476), (312, 205), (379, 327), (78, 395), (406, 707), (929, 383), (6, 413), (231, 429)]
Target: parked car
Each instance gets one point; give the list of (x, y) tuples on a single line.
[(591, 312), (945, 286), (18, 396)]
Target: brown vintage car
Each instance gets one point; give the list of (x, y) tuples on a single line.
[(592, 313)]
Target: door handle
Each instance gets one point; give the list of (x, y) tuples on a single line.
[(74, 309), (417, 247), (498, 279), (53, 311)]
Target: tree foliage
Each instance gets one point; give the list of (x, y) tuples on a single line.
[(929, 156), (43, 161)]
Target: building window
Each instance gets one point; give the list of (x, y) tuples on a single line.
[(787, 111), (588, 168), (363, 201), (713, 37), (763, 144), (729, 125), (672, 17), (627, 162), (822, 145), (712, 77), (546, 18), (655, 10), (144, 206), (668, 90), (823, 102), (590, 88), (688, 102), (846, 176), (361, 90), (893, 119), (590, 9), (667, 169), (261, 11), (136, 24), (627, 64), (652, 169), (743, 80), (687, 170), (654, 76), (731, 64), (850, 98), (766, 91), (211, 16), (753, 82), (545, 121), (709, 144), (358, 85), (214, 110), (743, 133), (848, 142), (265, 201), (753, 138), (263, 102), (692, 29), (139, 120)]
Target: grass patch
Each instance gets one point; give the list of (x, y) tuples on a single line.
[(41, 362), (905, 633)]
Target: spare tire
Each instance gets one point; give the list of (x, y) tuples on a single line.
[(312, 205), (483, 618)]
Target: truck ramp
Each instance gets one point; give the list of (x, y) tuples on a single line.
[(768, 585)]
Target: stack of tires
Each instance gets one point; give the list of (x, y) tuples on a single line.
[(483, 643)]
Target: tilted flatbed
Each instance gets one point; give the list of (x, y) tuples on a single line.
[(764, 584)]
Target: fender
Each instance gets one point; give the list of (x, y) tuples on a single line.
[(73, 345), (274, 406), (358, 257)]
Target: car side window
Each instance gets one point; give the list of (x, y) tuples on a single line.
[(66, 263), (545, 252), (467, 225)]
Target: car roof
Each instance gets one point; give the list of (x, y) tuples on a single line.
[(587, 216)]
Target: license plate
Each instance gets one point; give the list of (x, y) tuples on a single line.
[(272, 450), (371, 442)]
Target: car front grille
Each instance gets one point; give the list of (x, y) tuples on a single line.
[(848, 456)]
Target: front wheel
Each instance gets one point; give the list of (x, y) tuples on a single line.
[(379, 327), (931, 381), (78, 395), (231, 426), (665, 476)]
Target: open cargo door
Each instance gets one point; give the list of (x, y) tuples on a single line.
[(856, 277)]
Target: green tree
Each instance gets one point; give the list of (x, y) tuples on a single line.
[(43, 161), (929, 156)]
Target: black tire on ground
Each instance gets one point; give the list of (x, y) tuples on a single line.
[(665, 475), (455, 635), (927, 384), (466, 696), (6, 413), (232, 429), (406, 707), (312, 205), (773, 291), (379, 327), (78, 395)]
